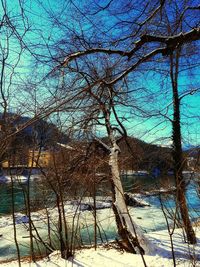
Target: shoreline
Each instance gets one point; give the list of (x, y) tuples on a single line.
[(111, 255)]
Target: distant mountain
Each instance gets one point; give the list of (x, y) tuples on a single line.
[(135, 153), (42, 133), (193, 151), (139, 155), (189, 146)]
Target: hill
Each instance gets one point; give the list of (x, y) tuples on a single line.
[(135, 153), (139, 155)]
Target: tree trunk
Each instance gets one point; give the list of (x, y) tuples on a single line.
[(178, 153), (14, 222), (132, 237)]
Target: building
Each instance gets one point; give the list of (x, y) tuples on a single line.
[(40, 158)]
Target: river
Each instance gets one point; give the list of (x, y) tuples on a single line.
[(41, 194), (149, 218)]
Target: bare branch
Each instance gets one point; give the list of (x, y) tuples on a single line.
[(171, 42), (91, 51)]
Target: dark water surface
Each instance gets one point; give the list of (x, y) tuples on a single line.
[(152, 184), (19, 194), (40, 194)]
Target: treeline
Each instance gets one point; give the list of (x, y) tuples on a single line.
[(135, 154)]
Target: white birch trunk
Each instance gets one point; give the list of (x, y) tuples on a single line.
[(130, 228)]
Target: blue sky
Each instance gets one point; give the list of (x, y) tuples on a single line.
[(149, 129)]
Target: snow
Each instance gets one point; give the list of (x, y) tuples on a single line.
[(148, 218), (88, 204), (110, 256), (66, 146), (160, 191), (18, 178)]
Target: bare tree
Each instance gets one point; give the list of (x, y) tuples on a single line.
[(177, 150), (140, 38), (98, 105)]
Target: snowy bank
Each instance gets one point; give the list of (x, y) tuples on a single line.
[(148, 218), (110, 256)]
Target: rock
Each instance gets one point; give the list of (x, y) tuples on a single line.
[(90, 206), (131, 201), (22, 219)]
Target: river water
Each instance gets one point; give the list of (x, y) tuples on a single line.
[(149, 218), (132, 184)]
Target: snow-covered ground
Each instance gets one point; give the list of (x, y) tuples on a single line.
[(185, 255), (149, 218)]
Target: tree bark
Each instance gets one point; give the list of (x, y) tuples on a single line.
[(14, 222), (133, 239), (178, 152)]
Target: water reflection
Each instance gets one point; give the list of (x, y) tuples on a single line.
[(137, 184)]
